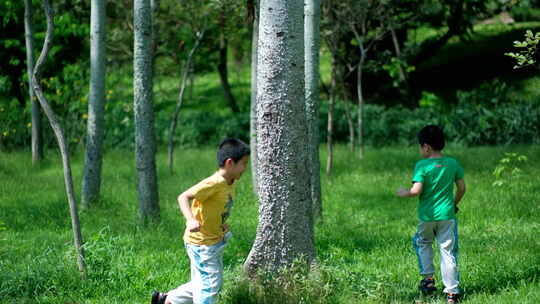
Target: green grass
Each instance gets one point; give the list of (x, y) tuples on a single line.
[(363, 245)]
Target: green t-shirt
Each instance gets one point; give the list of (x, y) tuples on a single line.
[(437, 176)]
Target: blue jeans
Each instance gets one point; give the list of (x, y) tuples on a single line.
[(445, 232), (206, 275)]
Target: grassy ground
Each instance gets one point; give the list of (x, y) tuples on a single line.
[(363, 245)]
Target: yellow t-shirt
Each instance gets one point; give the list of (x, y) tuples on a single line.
[(212, 202)]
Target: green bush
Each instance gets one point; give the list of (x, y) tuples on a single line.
[(484, 116), (488, 115)]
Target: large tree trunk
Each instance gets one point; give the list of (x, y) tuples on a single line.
[(145, 141), (183, 81), (95, 125), (223, 71), (253, 107), (59, 132), (37, 137), (312, 17), (285, 230)]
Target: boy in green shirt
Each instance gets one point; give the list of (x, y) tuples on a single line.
[(433, 180)]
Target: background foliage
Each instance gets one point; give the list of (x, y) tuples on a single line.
[(495, 104)]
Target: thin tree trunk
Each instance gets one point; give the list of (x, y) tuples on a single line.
[(37, 137), (59, 132), (223, 71), (96, 105), (360, 108), (285, 229), (312, 9), (350, 124), (183, 80), (363, 54), (402, 75), (330, 125), (253, 107), (145, 141)]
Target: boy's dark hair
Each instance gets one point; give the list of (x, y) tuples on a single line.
[(433, 136), (231, 148)]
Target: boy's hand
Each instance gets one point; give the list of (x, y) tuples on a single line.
[(402, 192), (193, 225), (225, 227)]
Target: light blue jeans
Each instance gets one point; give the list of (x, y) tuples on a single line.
[(206, 275), (445, 232)]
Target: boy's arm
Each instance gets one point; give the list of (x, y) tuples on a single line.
[(184, 202), (415, 190), (460, 183)]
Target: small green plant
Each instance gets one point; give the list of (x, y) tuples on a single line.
[(529, 50), (508, 168), (297, 283)]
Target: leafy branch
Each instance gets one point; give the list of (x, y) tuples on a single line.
[(529, 50)]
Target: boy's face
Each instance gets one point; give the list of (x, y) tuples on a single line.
[(235, 169), (425, 149)]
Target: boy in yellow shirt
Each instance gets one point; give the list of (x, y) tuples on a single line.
[(206, 230)]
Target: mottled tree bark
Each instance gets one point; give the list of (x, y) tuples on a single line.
[(59, 133), (312, 15), (145, 141), (37, 134), (285, 229), (96, 104), (253, 107)]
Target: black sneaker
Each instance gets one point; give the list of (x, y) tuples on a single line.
[(158, 297), (452, 298), (427, 286)]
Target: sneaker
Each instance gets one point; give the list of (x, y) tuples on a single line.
[(452, 298), (158, 297), (427, 286)]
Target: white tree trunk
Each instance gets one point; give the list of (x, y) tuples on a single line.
[(145, 142), (285, 230), (37, 137), (312, 15), (253, 107), (96, 104), (59, 132)]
